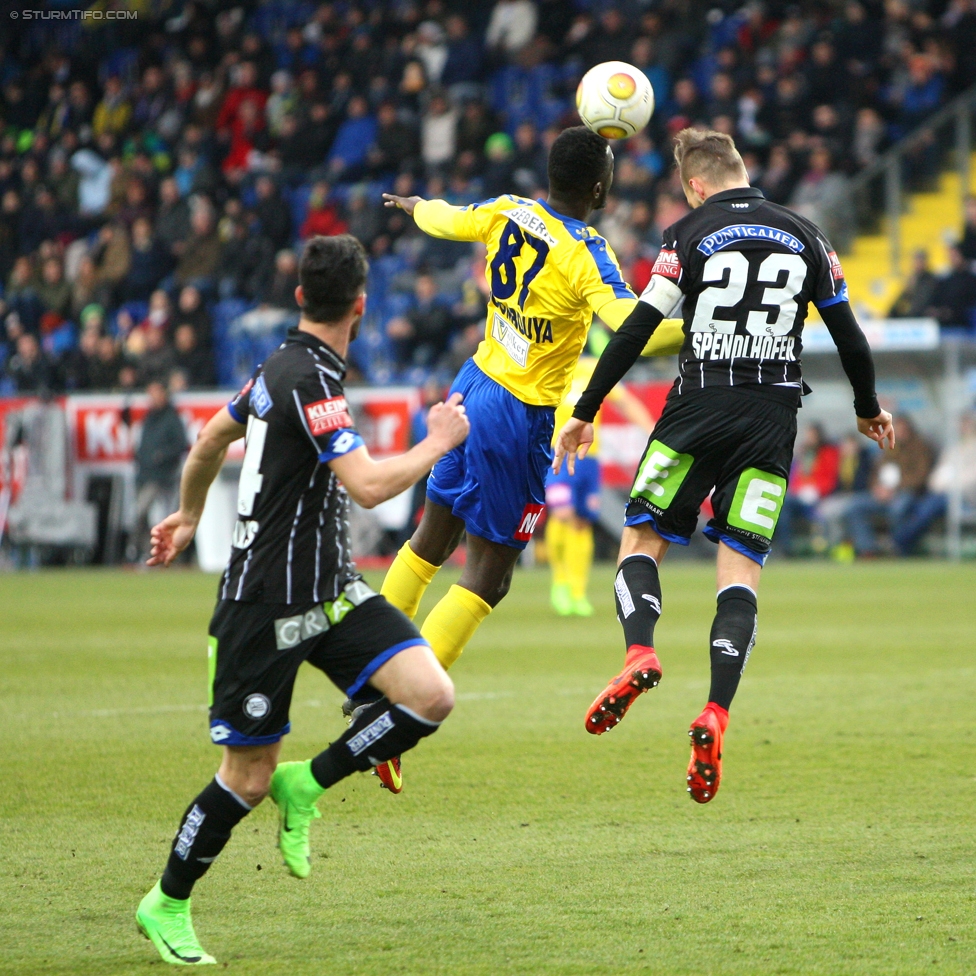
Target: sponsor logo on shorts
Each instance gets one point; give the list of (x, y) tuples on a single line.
[(374, 731), (291, 631), (326, 415), (256, 706), (527, 523), (220, 732), (261, 398), (668, 265), (188, 833)]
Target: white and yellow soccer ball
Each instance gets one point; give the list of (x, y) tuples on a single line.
[(615, 100)]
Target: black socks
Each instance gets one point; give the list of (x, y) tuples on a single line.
[(380, 732), (637, 589), (733, 634), (204, 830)]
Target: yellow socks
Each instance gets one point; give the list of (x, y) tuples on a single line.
[(579, 559), (407, 579), (452, 623), (556, 530)]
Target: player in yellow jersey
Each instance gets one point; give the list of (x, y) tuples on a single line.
[(549, 274), (573, 500)]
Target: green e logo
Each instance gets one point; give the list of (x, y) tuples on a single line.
[(758, 501), (660, 475)]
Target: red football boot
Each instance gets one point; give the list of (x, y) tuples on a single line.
[(705, 768), (389, 774), (642, 671)]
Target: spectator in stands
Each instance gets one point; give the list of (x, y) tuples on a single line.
[(956, 469), (191, 310), (21, 296), (511, 27), (918, 295), (150, 263), (246, 259), (173, 216), (896, 486), (157, 455), (113, 259), (30, 367), (420, 337), (113, 112), (347, 158), (281, 293), (53, 291), (813, 477), (191, 358), (967, 246), (323, 215), (462, 68), (273, 212), (158, 358), (76, 365), (201, 255), (95, 181), (823, 196), (397, 145), (955, 294), (438, 133), (104, 371)]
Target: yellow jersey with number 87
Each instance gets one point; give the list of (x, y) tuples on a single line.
[(548, 274)]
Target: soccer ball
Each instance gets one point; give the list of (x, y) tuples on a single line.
[(615, 100)]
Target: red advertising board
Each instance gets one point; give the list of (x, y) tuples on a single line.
[(622, 443)]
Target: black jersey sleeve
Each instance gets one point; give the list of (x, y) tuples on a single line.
[(855, 356), (321, 409), (240, 405), (829, 286), (621, 353)]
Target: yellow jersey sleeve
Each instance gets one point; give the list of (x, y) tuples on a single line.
[(439, 219), (600, 284), (667, 340)]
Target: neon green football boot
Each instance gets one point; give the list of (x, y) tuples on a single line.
[(561, 599), (294, 790), (167, 924)]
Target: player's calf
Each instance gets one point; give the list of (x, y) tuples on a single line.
[(637, 591)]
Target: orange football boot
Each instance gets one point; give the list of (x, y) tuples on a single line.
[(642, 671), (389, 774), (705, 768)]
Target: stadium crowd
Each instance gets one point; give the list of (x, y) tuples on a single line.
[(157, 175)]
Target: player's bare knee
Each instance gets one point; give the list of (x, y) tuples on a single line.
[(440, 703)]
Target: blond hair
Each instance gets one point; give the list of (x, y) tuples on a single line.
[(708, 155)]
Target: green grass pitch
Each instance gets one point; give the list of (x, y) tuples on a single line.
[(841, 841)]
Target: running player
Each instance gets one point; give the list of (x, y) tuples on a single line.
[(549, 274), (291, 593), (746, 271), (573, 500)]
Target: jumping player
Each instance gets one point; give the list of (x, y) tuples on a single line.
[(573, 500), (746, 271), (549, 274), (291, 593)]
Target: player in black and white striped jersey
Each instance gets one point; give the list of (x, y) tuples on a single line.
[(744, 272), (291, 593)]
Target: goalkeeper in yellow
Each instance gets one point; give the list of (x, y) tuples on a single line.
[(549, 275)]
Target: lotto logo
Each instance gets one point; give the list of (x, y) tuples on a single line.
[(527, 524), (326, 415), (835, 269), (667, 264)]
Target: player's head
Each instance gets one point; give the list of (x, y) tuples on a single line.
[(708, 163), (580, 168), (332, 281)]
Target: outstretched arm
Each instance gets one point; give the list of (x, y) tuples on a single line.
[(439, 219), (855, 357), (371, 482), (203, 463)]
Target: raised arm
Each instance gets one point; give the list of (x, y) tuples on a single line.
[(370, 482), (439, 219), (203, 463), (855, 357)]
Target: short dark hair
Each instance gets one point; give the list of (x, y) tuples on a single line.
[(332, 274), (577, 160)]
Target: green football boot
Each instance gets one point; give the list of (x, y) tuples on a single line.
[(167, 924), (562, 599), (582, 607), (294, 790)]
